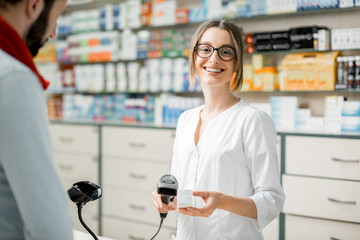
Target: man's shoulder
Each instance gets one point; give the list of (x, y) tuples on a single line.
[(10, 66)]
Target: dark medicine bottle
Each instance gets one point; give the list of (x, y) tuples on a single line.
[(340, 70), (357, 72), (351, 72)]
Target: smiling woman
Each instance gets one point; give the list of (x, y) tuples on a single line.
[(225, 151), (236, 45)]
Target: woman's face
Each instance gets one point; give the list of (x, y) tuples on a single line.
[(214, 71)]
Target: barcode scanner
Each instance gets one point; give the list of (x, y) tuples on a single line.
[(81, 193), (167, 188)]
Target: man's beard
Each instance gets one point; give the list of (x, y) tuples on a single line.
[(36, 38), (34, 47)]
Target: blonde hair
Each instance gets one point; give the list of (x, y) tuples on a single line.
[(237, 39)]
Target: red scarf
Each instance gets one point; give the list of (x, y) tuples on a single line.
[(12, 44)]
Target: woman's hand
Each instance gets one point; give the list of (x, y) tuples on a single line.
[(160, 205), (211, 199)]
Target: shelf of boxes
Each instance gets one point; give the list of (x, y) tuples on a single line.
[(100, 64)]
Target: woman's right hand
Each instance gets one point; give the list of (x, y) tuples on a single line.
[(160, 205)]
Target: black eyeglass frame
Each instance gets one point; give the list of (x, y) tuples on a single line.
[(213, 50)]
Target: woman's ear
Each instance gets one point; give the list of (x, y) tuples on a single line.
[(34, 9)]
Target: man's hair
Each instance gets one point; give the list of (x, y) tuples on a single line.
[(4, 3), (237, 39)]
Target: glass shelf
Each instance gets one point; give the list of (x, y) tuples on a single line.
[(304, 50), (197, 93), (117, 61)]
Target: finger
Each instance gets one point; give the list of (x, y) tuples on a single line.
[(195, 211), (185, 211), (204, 195), (199, 193)]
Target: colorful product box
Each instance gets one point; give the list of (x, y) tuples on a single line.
[(182, 15), (309, 71)]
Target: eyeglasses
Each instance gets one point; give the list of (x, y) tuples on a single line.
[(206, 50)]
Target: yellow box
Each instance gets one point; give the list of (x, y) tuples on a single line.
[(247, 78), (309, 71), (259, 61), (265, 79)]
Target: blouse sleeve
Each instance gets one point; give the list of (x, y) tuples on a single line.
[(261, 153), (176, 147)]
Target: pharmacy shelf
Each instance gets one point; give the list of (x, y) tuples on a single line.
[(79, 5), (304, 50), (342, 91), (96, 4), (118, 61), (165, 126), (125, 92)]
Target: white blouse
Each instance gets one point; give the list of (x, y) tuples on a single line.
[(236, 155)]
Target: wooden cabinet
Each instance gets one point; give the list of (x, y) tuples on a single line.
[(133, 160), (323, 157), (76, 157), (320, 176), (304, 228), (322, 188)]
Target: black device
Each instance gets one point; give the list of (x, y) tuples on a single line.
[(81, 193), (167, 188)]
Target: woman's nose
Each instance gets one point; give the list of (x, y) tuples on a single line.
[(215, 56)]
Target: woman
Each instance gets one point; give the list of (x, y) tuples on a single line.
[(225, 151)]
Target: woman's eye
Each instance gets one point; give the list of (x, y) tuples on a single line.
[(205, 50), (227, 52)]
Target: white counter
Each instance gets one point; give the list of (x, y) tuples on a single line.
[(86, 236)]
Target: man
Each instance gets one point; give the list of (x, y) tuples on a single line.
[(33, 204)]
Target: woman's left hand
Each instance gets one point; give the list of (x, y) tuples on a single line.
[(211, 200)]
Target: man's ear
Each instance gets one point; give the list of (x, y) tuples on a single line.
[(34, 9)]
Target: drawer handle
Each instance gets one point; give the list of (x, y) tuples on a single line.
[(137, 145), (345, 160), (135, 238), (66, 167), (66, 139), (341, 201), (332, 238), (135, 207), (137, 176)]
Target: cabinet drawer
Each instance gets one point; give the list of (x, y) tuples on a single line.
[(132, 174), (156, 144), (133, 205), (71, 138), (302, 228), (77, 167), (127, 230), (324, 198), (326, 157)]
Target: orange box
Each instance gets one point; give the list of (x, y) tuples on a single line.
[(247, 78), (146, 9), (182, 15), (309, 71)]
